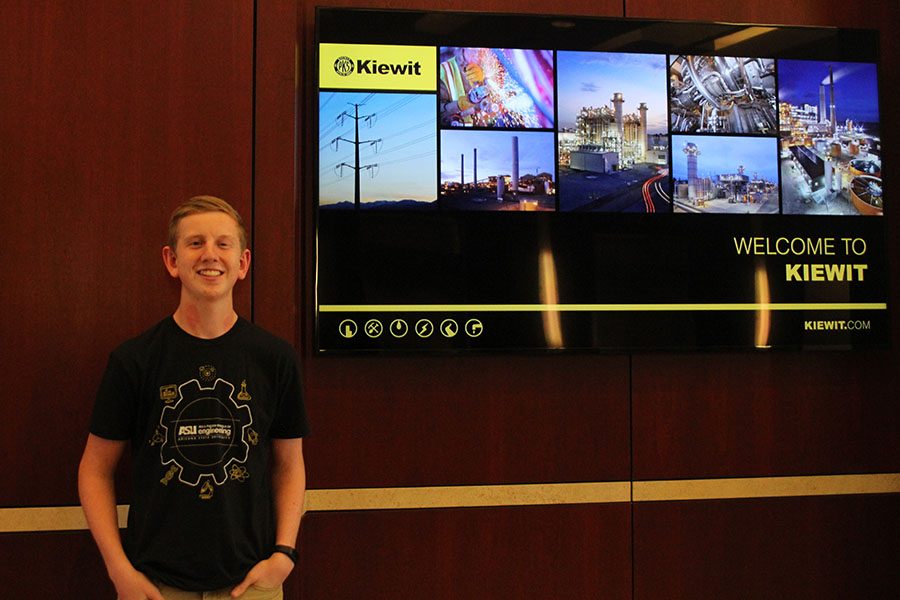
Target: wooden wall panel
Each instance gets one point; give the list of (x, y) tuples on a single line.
[(52, 565), (800, 548), (729, 415), (476, 420), (834, 13), (276, 244), (110, 115), (577, 551)]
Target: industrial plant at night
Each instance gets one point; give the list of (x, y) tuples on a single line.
[(830, 143), (605, 139), (613, 139)]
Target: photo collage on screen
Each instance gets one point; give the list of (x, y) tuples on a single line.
[(500, 129)]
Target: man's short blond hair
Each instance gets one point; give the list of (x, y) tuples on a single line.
[(204, 204)]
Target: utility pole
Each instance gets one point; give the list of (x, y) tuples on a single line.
[(356, 144)]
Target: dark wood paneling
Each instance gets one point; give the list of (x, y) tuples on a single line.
[(815, 548), (64, 565), (53, 565), (110, 115), (474, 420), (599, 8), (728, 415), (578, 551), (836, 13), (276, 224)]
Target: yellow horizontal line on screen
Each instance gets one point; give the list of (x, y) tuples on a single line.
[(737, 306)]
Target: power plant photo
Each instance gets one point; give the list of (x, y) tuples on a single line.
[(497, 170), (725, 174), (830, 139), (613, 141)]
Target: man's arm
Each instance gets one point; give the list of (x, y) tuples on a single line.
[(288, 490), (96, 488)]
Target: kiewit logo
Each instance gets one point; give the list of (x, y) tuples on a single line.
[(374, 67), (343, 66)]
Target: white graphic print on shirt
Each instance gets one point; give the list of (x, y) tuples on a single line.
[(206, 433)]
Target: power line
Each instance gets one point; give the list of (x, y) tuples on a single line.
[(356, 166)]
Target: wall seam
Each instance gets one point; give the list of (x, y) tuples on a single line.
[(253, 76)]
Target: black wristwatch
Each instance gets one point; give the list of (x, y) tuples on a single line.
[(291, 553)]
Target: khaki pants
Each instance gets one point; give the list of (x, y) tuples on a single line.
[(252, 593)]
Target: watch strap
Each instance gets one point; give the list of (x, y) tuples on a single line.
[(291, 553)]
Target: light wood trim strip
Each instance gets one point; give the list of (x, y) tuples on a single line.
[(71, 518), (766, 487), (49, 518), (468, 496)]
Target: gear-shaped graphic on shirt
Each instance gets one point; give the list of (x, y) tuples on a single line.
[(205, 432)]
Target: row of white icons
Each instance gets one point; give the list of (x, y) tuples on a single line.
[(399, 328)]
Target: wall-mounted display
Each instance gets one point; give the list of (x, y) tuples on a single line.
[(505, 183)]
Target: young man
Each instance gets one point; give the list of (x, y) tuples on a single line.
[(212, 407)]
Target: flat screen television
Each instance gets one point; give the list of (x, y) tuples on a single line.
[(497, 182)]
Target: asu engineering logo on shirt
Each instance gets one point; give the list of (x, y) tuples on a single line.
[(205, 433), (377, 67)]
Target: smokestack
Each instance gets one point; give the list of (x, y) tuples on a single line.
[(821, 114), (515, 164), (692, 152), (831, 84), (462, 170), (475, 168), (617, 101), (642, 108)]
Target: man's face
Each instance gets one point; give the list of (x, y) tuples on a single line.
[(207, 258)]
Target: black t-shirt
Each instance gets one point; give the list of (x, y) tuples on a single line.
[(200, 415)]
